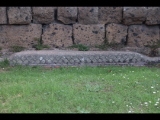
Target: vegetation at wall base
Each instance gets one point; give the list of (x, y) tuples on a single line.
[(39, 45), (16, 48), (80, 47), (4, 63), (113, 45), (154, 48)]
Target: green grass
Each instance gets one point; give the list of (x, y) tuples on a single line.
[(80, 47), (79, 90), (16, 48), (4, 63), (40, 45)]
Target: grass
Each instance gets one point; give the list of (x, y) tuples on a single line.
[(79, 89), (154, 47), (16, 48), (80, 47), (40, 45), (105, 45), (4, 63)]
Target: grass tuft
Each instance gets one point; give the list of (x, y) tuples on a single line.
[(80, 47), (16, 48), (4, 63), (39, 45)]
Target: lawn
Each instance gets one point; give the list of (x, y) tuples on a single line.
[(109, 89)]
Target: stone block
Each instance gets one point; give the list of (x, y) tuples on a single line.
[(116, 33), (153, 16), (89, 35), (3, 15), (88, 15), (142, 35), (43, 15), (110, 15), (57, 35), (67, 15), (24, 35), (19, 15), (134, 15)]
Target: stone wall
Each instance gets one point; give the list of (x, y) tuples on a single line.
[(132, 27)]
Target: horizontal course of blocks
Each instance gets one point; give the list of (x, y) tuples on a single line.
[(91, 26), (81, 15)]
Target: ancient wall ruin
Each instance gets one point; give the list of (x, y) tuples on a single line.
[(132, 27)]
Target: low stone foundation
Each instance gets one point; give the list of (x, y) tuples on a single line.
[(80, 58)]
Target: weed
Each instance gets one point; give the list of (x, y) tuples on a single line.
[(80, 47), (105, 45), (154, 48), (16, 48), (4, 63), (39, 45)]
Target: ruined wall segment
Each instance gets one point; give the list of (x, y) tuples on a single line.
[(133, 27)]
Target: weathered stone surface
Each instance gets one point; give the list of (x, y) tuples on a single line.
[(19, 15), (43, 15), (88, 15), (158, 52), (110, 15), (134, 15), (68, 15), (57, 35), (89, 34), (153, 16), (3, 16), (142, 50), (24, 35), (141, 35), (116, 33)]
